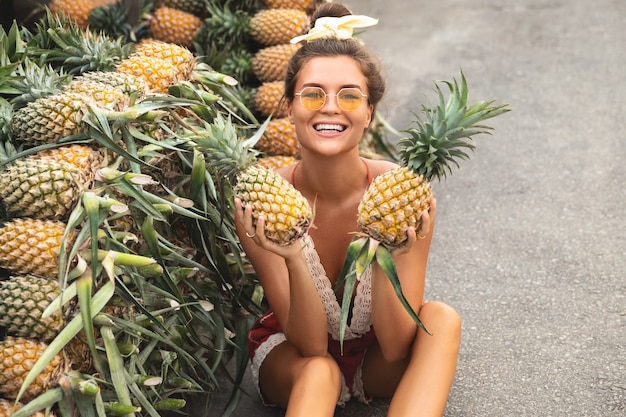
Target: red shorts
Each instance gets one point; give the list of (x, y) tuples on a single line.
[(349, 363)]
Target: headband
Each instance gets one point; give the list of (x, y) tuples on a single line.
[(336, 27)]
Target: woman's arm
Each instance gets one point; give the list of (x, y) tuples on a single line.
[(287, 284), (395, 329)]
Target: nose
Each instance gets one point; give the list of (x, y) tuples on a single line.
[(331, 104)]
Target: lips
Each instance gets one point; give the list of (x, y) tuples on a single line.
[(329, 127)]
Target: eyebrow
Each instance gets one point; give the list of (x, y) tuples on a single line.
[(343, 86)]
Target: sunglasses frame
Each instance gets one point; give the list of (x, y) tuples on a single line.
[(299, 94)]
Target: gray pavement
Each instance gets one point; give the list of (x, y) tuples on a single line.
[(530, 242)]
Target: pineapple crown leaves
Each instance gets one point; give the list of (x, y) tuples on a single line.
[(224, 149), (64, 44), (444, 136)]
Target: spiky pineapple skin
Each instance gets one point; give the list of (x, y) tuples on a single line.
[(76, 10), (287, 213), (278, 26), (270, 63), (174, 25), (31, 246), (23, 299), (8, 408), (279, 138), (87, 159), (268, 99), (276, 161), (393, 202), (48, 119), (181, 57), (41, 188), (157, 73), (306, 5), (17, 357)]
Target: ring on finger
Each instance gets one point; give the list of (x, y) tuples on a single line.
[(250, 235)]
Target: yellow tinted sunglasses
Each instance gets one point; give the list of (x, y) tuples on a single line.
[(314, 98)]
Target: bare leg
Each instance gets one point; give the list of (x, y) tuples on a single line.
[(305, 386), (422, 383)]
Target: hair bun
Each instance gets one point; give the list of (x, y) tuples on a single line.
[(329, 10)]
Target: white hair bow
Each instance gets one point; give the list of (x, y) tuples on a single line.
[(336, 27)]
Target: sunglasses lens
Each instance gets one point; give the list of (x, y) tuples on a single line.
[(349, 99), (312, 98)]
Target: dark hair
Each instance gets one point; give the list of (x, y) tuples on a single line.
[(329, 47)]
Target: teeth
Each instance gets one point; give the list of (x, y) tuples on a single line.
[(328, 126)]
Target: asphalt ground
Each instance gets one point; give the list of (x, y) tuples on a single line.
[(530, 243)]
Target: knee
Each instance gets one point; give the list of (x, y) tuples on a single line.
[(322, 370), (441, 318)]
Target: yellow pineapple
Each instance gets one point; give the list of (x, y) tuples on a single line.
[(181, 57), (287, 213), (31, 246), (276, 161), (396, 199), (17, 357), (86, 158), (278, 26), (269, 99), (76, 10), (7, 408), (23, 299), (306, 5), (279, 138), (156, 72), (41, 188), (270, 63), (175, 26)]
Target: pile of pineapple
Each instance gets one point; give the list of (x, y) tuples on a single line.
[(123, 287)]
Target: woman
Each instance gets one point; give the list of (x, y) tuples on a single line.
[(333, 85)]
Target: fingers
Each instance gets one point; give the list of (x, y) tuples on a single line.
[(244, 216), (427, 219)]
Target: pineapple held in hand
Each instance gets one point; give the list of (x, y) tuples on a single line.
[(396, 199), (287, 213)]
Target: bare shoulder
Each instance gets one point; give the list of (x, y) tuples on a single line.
[(286, 171), (378, 166)]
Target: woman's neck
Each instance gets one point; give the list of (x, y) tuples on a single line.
[(331, 178)]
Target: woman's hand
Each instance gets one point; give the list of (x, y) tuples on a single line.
[(423, 233), (257, 232)]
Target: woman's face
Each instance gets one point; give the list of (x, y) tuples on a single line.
[(330, 130)]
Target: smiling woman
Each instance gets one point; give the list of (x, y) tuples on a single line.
[(303, 359)]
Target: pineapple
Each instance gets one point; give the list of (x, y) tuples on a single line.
[(194, 7), (396, 199), (174, 26), (305, 5), (104, 81), (276, 161), (278, 26), (269, 99), (7, 408), (279, 138), (159, 64), (86, 158), (181, 57), (23, 299), (287, 213), (76, 10), (41, 188), (17, 356), (270, 63), (49, 119), (31, 246)]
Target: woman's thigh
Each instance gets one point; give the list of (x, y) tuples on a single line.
[(380, 377)]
